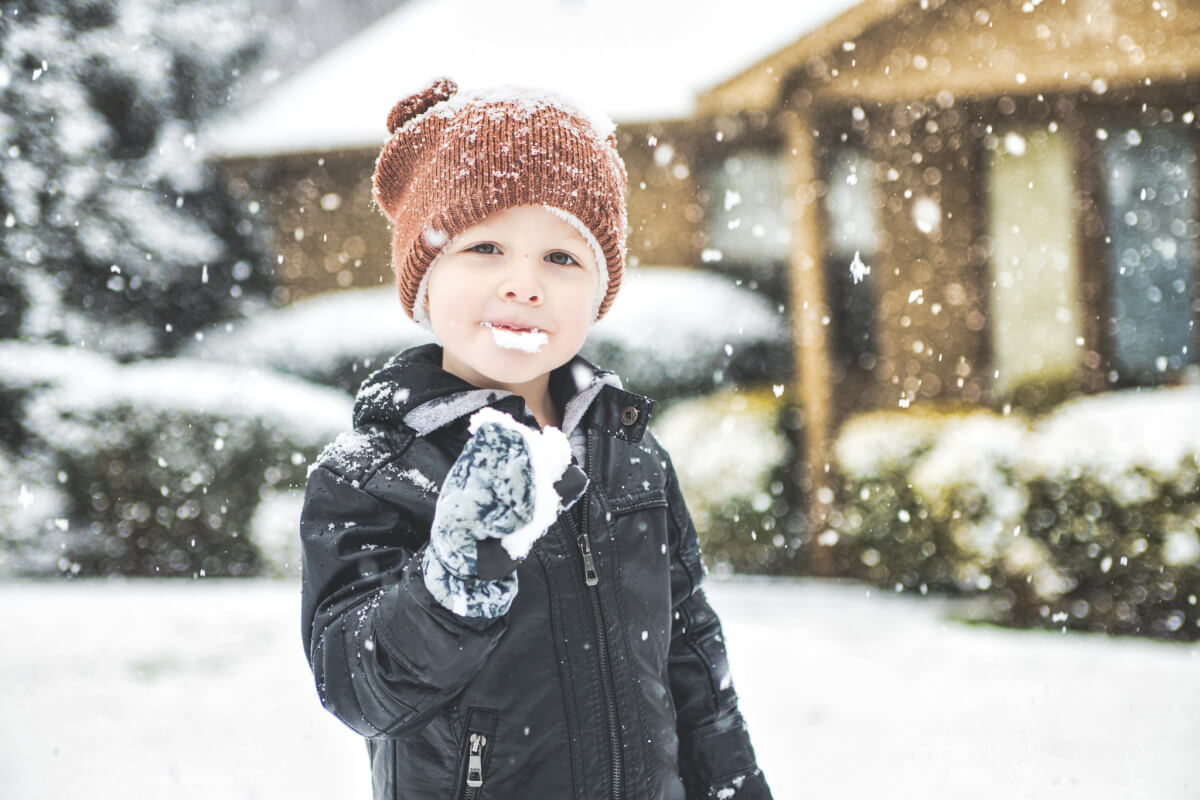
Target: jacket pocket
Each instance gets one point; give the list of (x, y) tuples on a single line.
[(477, 746), (636, 501), (719, 759)]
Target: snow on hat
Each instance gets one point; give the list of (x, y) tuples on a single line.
[(455, 158)]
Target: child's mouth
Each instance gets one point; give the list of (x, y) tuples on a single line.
[(506, 326), (516, 337)]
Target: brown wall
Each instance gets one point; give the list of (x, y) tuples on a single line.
[(930, 285), (327, 233), (665, 216), (331, 236)]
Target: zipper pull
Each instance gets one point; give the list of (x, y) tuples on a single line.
[(475, 761), (590, 576)]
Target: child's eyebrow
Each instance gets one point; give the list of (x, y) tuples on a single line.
[(477, 240)]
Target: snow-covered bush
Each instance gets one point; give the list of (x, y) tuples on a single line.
[(679, 332), (671, 333), (32, 517), (884, 529), (273, 529), (1087, 517), (335, 339), (728, 451), (970, 484), (158, 465), (1114, 486), (33, 501)]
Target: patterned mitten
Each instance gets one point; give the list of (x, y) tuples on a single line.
[(502, 486)]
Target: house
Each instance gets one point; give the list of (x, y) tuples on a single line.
[(304, 153), (1018, 176), (967, 203)]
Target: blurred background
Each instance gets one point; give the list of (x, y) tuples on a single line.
[(916, 284)]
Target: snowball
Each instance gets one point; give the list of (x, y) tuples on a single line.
[(549, 455), (530, 341)]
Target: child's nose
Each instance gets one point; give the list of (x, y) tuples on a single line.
[(521, 281)]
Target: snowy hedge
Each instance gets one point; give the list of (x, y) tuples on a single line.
[(152, 468), (729, 452), (680, 332), (334, 339), (1088, 517), (671, 333), (32, 498)]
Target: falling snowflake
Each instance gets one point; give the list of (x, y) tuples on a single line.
[(858, 270)]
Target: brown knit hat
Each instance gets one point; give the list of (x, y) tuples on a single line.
[(455, 158)]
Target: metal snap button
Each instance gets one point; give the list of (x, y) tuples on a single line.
[(629, 415)]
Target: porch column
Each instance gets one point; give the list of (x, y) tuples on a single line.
[(813, 380)]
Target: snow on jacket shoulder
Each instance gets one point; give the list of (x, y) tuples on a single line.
[(608, 685)]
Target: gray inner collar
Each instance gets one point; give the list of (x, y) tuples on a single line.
[(428, 417)]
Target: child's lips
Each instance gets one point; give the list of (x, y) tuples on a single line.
[(515, 327)]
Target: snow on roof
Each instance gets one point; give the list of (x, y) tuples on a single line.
[(633, 59)]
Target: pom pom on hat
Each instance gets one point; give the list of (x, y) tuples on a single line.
[(454, 158), (441, 89)]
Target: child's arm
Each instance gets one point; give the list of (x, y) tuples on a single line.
[(396, 622), (384, 653), (715, 751)]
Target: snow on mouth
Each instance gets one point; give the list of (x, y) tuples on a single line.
[(529, 340)]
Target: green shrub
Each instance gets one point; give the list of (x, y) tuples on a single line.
[(1086, 518), (161, 464), (729, 453)]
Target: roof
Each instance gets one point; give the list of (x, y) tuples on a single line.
[(749, 88), (636, 60), (877, 51)]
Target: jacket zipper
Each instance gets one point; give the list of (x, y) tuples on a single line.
[(592, 579), (478, 742)]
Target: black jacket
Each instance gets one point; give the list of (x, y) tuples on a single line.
[(618, 689)]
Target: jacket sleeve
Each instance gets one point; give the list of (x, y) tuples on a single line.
[(714, 746), (384, 653)]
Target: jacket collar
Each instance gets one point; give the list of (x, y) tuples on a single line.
[(414, 390)]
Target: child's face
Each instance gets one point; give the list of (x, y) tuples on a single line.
[(519, 272)]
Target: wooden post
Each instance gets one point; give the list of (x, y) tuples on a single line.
[(813, 384)]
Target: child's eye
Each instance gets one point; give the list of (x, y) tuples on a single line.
[(486, 248), (561, 258)]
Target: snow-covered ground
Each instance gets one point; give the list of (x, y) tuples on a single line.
[(141, 689)]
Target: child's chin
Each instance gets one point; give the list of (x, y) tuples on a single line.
[(514, 366)]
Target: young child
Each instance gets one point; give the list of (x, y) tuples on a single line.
[(501, 581)]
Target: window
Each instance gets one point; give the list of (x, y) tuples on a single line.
[(748, 234), (1150, 177), (853, 233), (1034, 290)]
